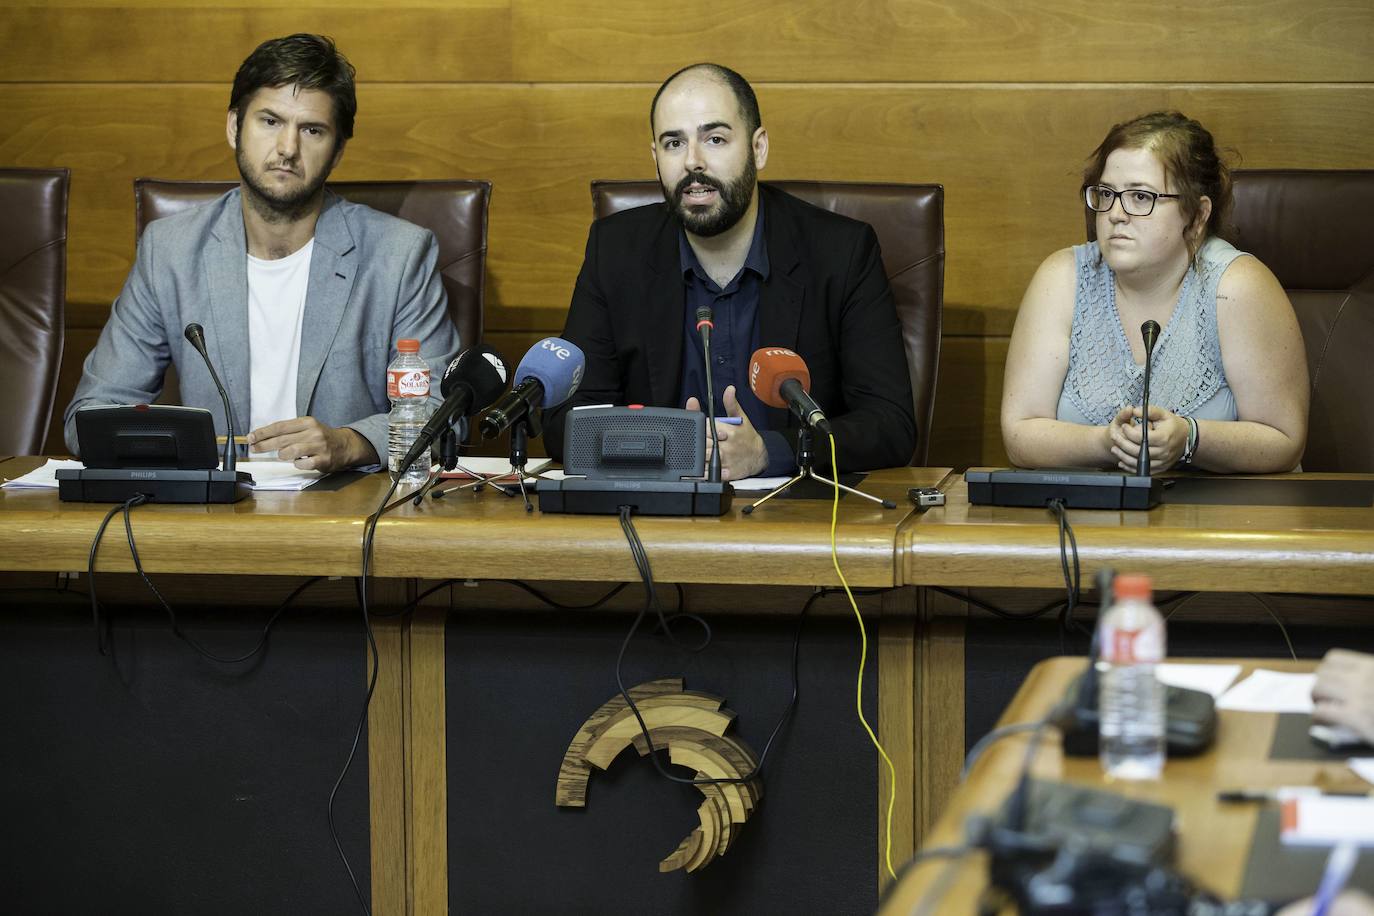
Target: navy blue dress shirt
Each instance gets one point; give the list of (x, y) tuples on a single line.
[(735, 309)]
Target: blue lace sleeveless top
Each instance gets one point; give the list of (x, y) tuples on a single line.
[(1187, 378)]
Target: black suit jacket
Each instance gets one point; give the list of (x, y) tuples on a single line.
[(826, 297)]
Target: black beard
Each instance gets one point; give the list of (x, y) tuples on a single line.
[(734, 201), (272, 206)]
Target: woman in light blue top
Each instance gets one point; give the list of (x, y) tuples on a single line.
[(1229, 386)]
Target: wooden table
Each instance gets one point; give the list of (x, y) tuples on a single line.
[(1326, 550), (1214, 839), (786, 542), (490, 536)]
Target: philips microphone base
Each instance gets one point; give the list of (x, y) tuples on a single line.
[(1079, 489), (589, 496), (160, 485)]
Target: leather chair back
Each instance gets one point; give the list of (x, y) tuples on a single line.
[(455, 211), (1308, 227), (910, 224), (33, 290)]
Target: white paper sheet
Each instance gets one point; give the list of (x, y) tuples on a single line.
[(278, 475), (1211, 679), (764, 484), (43, 477), (1363, 767), (268, 475), (1326, 820), (1271, 691)]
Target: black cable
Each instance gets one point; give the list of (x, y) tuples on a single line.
[(185, 637), (369, 532), (991, 738), (90, 566), (1054, 605), (651, 600), (410, 606), (1268, 608), (1072, 581), (1019, 801), (641, 558), (61, 587), (994, 609), (556, 605)]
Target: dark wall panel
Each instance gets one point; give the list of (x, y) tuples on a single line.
[(518, 689), (154, 781)]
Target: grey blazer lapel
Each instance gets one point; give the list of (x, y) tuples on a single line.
[(226, 276), (332, 272)]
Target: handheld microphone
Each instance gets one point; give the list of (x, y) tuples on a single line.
[(1149, 331), (546, 377), (471, 382), (196, 335), (704, 327), (779, 378)]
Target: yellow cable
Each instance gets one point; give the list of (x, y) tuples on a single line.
[(863, 657)]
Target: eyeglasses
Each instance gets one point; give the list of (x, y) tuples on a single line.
[(1134, 201)]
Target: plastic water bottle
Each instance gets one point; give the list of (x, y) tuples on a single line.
[(1130, 701), (407, 384)]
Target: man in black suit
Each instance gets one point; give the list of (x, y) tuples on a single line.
[(777, 272)]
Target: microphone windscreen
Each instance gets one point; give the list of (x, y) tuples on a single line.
[(1149, 332), (769, 367), (557, 364), (480, 368)]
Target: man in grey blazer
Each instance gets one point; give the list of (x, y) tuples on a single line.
[(302, 294)]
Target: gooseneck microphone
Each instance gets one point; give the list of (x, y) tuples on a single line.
[(704, 327), (546, 377), (196, 335), (779, 378), (1149, 331), (474, 380)]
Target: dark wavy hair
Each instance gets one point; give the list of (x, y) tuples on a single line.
[(1192, 163), (304, 60), (738, 85)]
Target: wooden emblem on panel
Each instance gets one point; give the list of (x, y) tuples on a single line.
[(692, 726)]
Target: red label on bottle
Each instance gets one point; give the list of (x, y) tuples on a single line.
[(1128, 647), (1123, 646), (408, 383)]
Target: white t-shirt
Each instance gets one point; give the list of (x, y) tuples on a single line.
[(276, 311)]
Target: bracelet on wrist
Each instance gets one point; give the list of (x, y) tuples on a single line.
[(1190, 448)]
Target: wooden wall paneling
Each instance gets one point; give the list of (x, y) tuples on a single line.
[(967, 430), (952, 40), (184, 41), (542, 145), (776, 40)]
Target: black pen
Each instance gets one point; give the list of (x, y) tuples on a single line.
[(1286, 792)]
